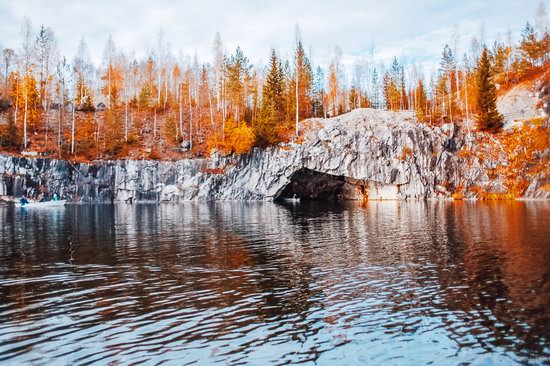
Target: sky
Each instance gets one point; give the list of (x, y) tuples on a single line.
[(408, 29)]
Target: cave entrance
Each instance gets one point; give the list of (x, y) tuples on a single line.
[(309, 185)]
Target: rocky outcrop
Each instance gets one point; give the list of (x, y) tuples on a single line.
[(365, 154)]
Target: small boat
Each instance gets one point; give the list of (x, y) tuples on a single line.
[(45, 204), (292, 199)]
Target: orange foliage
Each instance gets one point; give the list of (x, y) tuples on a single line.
[(238, 139)]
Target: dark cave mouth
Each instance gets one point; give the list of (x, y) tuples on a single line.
[(310, 185)]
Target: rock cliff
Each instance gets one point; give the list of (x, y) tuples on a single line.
[(365, 154)]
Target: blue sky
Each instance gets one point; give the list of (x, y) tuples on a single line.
[(407, 29)]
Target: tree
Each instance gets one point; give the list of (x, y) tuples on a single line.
[(62, 76), (218, 71), (301, 81), (318, 94), (83, 69), (109, 89), (145, 97), (272, 111), (238, 82), (392, 86), (333, 88), (375, 87), (29, 84), (529, 47), (501, 55), (421, 99), (45, 44), (9, 136), (541, 18), (488, 118), (447, 70), (242, 139), (8, 58)]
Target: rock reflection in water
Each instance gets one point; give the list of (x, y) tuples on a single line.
[(263, 283)]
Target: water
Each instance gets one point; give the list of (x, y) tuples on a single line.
[(263, 283)]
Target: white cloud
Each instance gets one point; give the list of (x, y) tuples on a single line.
[(411, 29)]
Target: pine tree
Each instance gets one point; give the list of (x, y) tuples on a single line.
[(529, 47), (9, 136), (272, 111), (238, 71), (421, 101), (488, 118), (301, 91), (318, 93), (145, 97)]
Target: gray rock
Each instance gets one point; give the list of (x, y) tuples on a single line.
[(363, 154)]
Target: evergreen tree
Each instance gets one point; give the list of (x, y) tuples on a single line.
[(272, 112), (9, 136), (301, 93), (318, 93), (529, 47), (145, 97), (238, 71), (488, 119), (421, 101)]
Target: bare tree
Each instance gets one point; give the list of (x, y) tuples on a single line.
[(8, 58), (541, 19), (83, 68), (62, 71), (27, 59), (109, 54)]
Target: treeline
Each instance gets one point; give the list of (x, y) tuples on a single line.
[(164, 104)]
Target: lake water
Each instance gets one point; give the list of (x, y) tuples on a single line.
[(380, 283)]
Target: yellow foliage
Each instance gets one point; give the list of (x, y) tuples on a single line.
[(524, 147), (242, 139), (237, 139)]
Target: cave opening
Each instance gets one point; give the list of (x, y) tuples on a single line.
[(310, 185)]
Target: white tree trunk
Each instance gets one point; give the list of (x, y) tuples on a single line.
[(72, 129), (25, 119), (126, 121), (297, 107)]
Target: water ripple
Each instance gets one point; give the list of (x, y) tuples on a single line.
[(240, 284)]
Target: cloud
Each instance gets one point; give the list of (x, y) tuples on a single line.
[(415, 30)]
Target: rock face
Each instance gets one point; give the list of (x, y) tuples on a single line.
[(521, 103), (365, 154)]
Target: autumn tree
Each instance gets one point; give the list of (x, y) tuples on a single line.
[(272, 113), (301, 82), (488, 118), (530, 48), (421, 101), (27, 93), (8, 59), (501, 55), (333, 88), (318, 94), (238, 72), (447, 83), (9, 136), (110, 74), (83, 69), (45, 47), (392, 86)]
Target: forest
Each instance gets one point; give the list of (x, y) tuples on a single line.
[(165, 106)]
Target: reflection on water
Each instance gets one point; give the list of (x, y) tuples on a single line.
[(262, 283)]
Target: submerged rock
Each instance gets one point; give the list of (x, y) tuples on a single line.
[(365, 154)]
